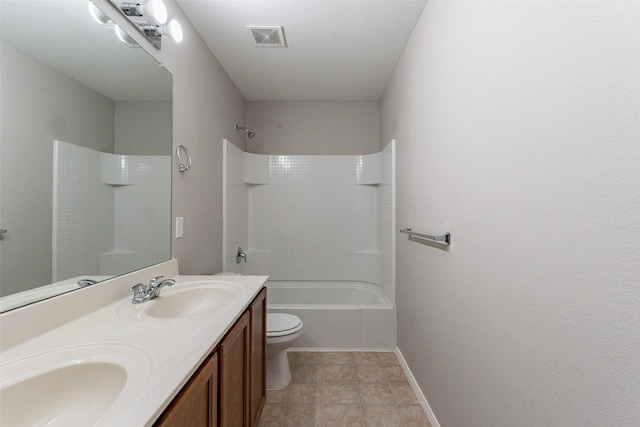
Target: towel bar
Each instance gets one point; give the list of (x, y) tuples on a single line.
[(446, 237)]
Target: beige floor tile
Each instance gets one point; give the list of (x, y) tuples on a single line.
[(305, 394), (340, 393), (339, 373), (307, 373), (344, 389), (369, 373), (413, 416), (381, 416), (395, 374), (365, 358), (272, 415), (388, 358), (303, 415), (403, 393), (342, 416), (278, 396), (375, 394), (309, 358), (338, 358)]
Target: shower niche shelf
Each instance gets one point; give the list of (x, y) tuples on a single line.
[(255, 169), (369, 169)]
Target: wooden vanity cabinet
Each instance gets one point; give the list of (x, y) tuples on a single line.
[(258, 357), (234, 375), (196, 404), (230, 388)]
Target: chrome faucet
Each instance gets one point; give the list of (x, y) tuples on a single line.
[(240, 256), (142, 293)]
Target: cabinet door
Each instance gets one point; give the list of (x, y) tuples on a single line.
[(195, 405), (234, 375), (257, 361)]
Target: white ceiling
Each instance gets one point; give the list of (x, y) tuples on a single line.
[(337, 50)]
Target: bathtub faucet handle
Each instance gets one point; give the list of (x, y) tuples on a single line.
[(240, 256)]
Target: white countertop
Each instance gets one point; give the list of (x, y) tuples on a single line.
[(174, 347)]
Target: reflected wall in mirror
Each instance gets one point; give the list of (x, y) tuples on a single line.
[(85, 152)]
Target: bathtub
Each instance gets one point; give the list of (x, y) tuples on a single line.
[(336, 315)]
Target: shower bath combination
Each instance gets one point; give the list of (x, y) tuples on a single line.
[(342, 283), (249, 133)]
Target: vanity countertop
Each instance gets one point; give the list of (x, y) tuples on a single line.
[(163, 352)]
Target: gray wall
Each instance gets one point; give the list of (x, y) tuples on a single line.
[(33, 115), (143, 128), (517, 129), (314, 127)]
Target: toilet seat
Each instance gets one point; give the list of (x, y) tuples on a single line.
[(282, 324)]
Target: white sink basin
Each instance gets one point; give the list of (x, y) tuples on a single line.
[(72, 386), (184, 300)]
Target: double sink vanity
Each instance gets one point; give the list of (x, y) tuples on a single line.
[(195, 355)]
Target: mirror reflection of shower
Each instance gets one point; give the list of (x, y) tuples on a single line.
[(109, 211), (249, 133)]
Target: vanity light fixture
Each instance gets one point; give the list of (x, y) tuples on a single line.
[(102, 18), (150, 18), (172, 29)]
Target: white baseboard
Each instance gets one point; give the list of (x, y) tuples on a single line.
[(414, 385)]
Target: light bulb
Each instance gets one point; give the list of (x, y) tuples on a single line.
[(173, 30), (157, 11)]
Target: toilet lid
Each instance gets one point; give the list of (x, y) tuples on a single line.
[(279, 324)]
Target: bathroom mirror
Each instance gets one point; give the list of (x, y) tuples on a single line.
[(85, 152)]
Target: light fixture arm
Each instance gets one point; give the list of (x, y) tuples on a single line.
[(131, 9)]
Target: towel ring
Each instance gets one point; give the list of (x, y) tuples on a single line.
[(182, 167)]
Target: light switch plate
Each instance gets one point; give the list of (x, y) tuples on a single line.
[(179, 226)]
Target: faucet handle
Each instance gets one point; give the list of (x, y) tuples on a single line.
[(138, 290), (155, 280)]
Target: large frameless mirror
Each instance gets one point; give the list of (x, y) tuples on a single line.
[(85, 151)]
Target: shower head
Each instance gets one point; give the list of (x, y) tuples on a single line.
[(247, 131)]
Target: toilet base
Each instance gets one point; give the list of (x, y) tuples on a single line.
[(278, 372)]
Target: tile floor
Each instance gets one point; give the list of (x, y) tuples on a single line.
[(344, 389)]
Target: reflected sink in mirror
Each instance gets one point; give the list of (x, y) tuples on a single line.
[(43, 292), (71, 386), (183, 300)]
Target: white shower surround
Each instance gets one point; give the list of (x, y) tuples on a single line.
[(110, 211), (323, 219)]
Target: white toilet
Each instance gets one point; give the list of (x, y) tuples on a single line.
[(283, 330)]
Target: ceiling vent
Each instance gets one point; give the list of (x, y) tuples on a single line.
[(268, 36)]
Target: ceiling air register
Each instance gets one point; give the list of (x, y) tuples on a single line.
[(268, 36)]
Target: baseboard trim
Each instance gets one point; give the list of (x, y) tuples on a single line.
[(414, 385)]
